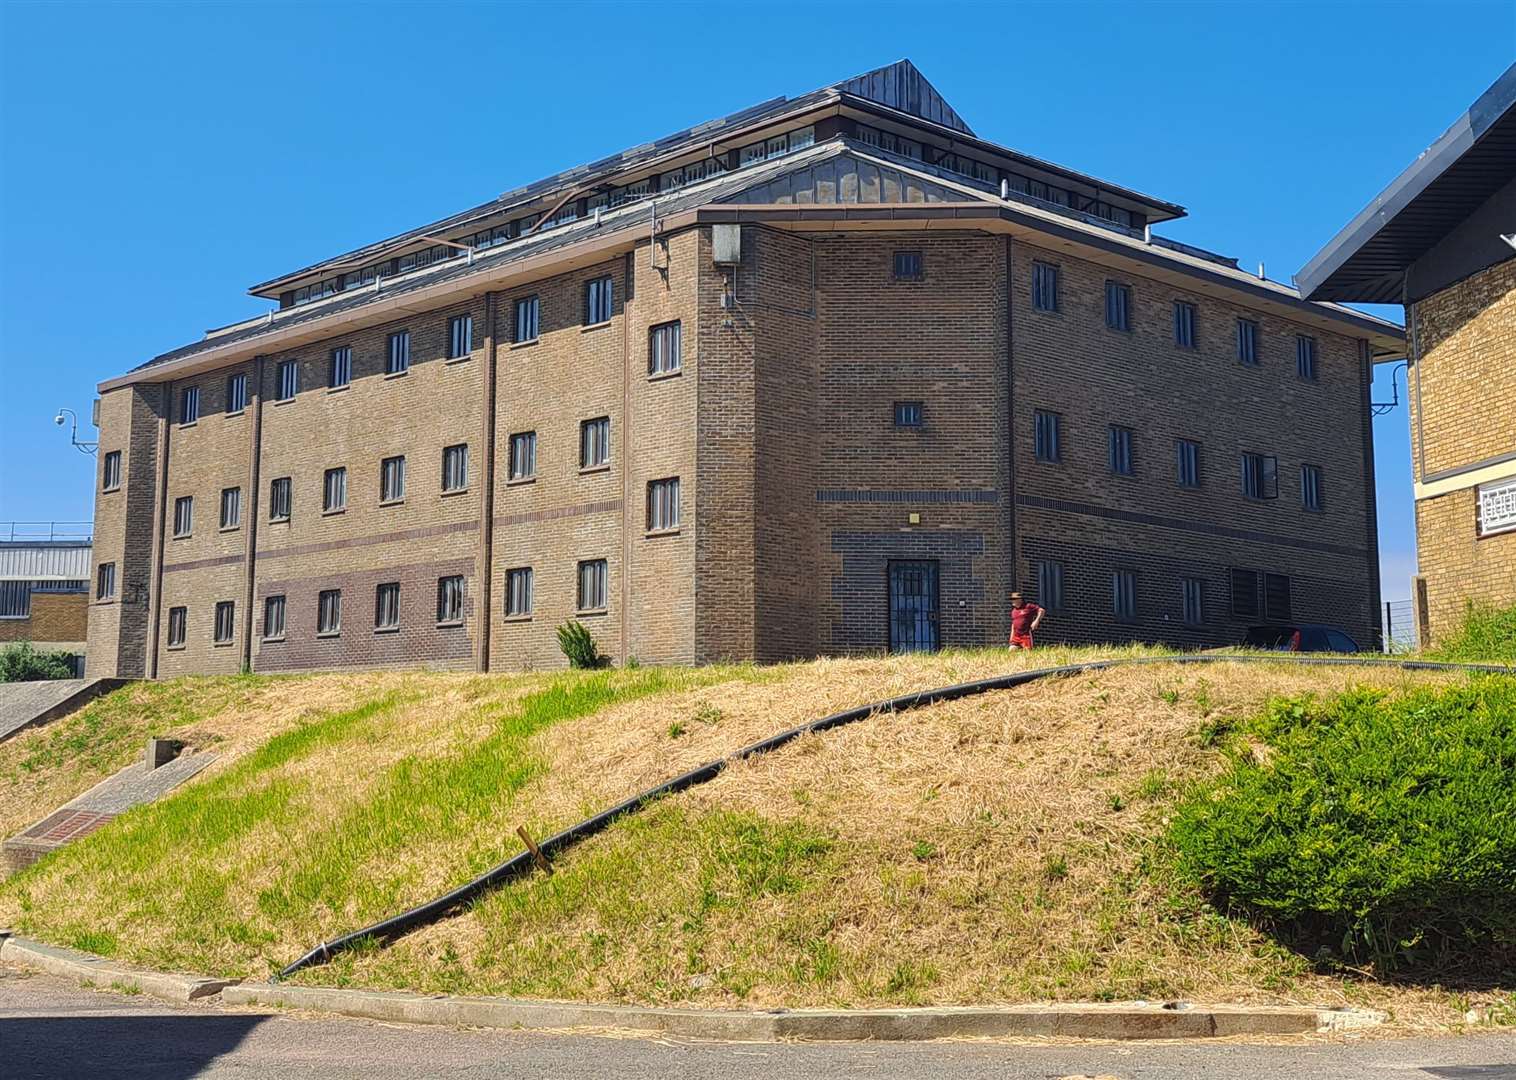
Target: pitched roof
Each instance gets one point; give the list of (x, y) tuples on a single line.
[(1472, 160)]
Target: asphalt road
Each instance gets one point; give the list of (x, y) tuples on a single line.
[(53, 1028)]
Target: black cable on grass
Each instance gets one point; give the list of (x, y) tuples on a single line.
[(518, 866)]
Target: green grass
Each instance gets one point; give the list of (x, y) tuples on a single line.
[(1488, 635)]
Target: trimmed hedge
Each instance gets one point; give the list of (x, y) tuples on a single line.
[(1379, 829)]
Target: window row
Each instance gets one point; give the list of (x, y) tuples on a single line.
[(1047, 296), (16, 596), (1253, 594), (591, 589), (1259, 472)]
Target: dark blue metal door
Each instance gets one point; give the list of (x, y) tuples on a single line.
[(913, 606)]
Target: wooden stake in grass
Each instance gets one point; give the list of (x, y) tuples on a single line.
[(531, 845)]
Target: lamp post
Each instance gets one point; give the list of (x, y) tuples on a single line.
[(73, 437)]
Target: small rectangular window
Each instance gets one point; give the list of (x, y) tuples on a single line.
[(334, 490), (1276, 597), (1047, 437), (460, 336), (184, 515), (518, 592), (392, 480), (1245, 594), (231, 507), (15, 599), (527, 312), (387, 606), (1260, 476), (110, 471), (455, 467), (907, 266), (450, 599), (105, 581), (663, 504), (178, 625), (397, 360), (236, 393), (908, 414), (289, 380), (1124, 595), (226, 616), (523, 463), (595, 442), (329, 612), (1310, 487), (1118, 305), (1192, 599), (1305, 357), (1044, 286), (342, 367), (279, 499), (1187, 463), (664, 355), (1184, 324), (1050, 584), (592, 585), (1121, 450), (1247, 342), (599, 300), (273, 618), (189, 405)]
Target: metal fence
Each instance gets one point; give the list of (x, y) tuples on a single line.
[(45, 532), (1399, 627)]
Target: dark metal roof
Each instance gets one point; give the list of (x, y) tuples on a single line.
[(1473, 159), (901, 86)]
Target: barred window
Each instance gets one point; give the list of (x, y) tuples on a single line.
[(455, 467), (334, 490), (189, 405), (528, 310), (110, 471), (598, 300), (909, 414), (15, 599), (1310, 487), (1121, 450), (595, 442), (226, 617), (450, 599), (231, 507), (236, 393), (184, 515), (279, 499), (329, 612), (273, 617), (1245, 593), (1184, 324), (1124, 595), (1260, 476), (398, 360), (523, 463), (1192, 600), (460, 336), (1305, 357), (391, 479), (665, 355), (1046, 436), (907, 266), (663, 504), (518, 592), (1044, 286), (289, 379), (1247, 342), (1276, 597), (1050, 584), (178, 622), (342, 367), (387, 606), (1118, 304), (1187, 463), (592, 585)]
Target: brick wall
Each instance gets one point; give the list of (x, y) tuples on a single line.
[(60, 617)]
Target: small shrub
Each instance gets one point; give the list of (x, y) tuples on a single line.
[(923, 850), (579, 646), (676, 729), (1382, 830), (23, 662), (1488, 634)]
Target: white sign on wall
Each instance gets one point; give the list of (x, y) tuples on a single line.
[(1497, 507)]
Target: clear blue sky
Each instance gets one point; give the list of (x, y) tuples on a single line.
[(159, 158)]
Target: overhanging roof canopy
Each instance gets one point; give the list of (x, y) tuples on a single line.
[(1472, 160)]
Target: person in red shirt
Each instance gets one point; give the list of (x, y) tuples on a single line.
[(1025, 618)]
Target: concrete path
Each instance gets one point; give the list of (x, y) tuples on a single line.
[(49, 1027)]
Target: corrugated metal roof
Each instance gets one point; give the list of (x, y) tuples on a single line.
[(1473, 159), (44, 562)]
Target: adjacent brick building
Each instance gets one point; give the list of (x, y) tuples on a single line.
[(1441, 239), (44, 594), (832, 374)]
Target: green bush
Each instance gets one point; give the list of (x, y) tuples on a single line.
[(22, 662), (579, 646), (1487, 634), (1379, 829)]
